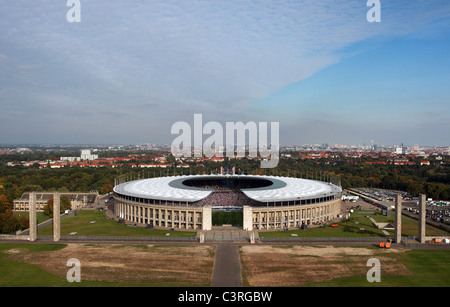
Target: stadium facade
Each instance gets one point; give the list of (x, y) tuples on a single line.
[(188, 202)]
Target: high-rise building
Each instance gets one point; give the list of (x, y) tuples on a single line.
[(86, 155)]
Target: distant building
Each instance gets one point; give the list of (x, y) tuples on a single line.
[(70, 159), (85, 155)]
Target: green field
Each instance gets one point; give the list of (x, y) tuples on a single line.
[(94, 223), (430, 268), (351, 228), (20, 274), (234, 218), (40, 216)]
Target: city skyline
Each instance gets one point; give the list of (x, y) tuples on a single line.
[(128, 71)]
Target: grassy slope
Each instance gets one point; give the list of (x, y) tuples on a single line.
[(83, 226), (350, 228)]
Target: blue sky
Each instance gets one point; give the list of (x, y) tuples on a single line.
[(131, 69)]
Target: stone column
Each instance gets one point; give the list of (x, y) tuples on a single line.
[(252, 237), (248, 218), (206, 218), (32, 216), (422, 222), (56, 216), (398, 218), (160, 217), (172, 217)]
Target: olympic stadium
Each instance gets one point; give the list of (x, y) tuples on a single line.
[(189, 202)]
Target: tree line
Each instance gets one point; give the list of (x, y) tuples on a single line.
[(432, 180)]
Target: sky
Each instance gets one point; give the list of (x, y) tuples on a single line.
[(129, 70)]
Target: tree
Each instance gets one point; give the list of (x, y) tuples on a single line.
[(5, 206), (65, 204), (414, 187), (106, 188), (24, 222), (8, 223)]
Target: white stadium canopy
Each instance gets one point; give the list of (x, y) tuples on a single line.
[(173, 189)]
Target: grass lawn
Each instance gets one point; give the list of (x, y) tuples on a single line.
[(351, 228), (430, 268), (40, 216), (94, 223), (346, 228), (19, 274), (14, 273)]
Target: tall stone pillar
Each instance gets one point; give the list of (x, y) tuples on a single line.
[(32, 216), (398, 218), (422, 214), (56, 216), (173, 218), (248, 218), (160, 217), (206, 218)]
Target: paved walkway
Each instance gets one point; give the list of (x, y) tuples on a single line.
[(227, 262), (227, 266)]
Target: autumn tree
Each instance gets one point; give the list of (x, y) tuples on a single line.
[(8, 222), (5, 206), (106, 188)]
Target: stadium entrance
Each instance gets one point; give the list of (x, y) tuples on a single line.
[(226, 199), (227, 216)]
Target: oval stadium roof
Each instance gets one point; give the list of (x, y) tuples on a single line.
[(173, 189)]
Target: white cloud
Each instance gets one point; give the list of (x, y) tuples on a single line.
[(213, 57)]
